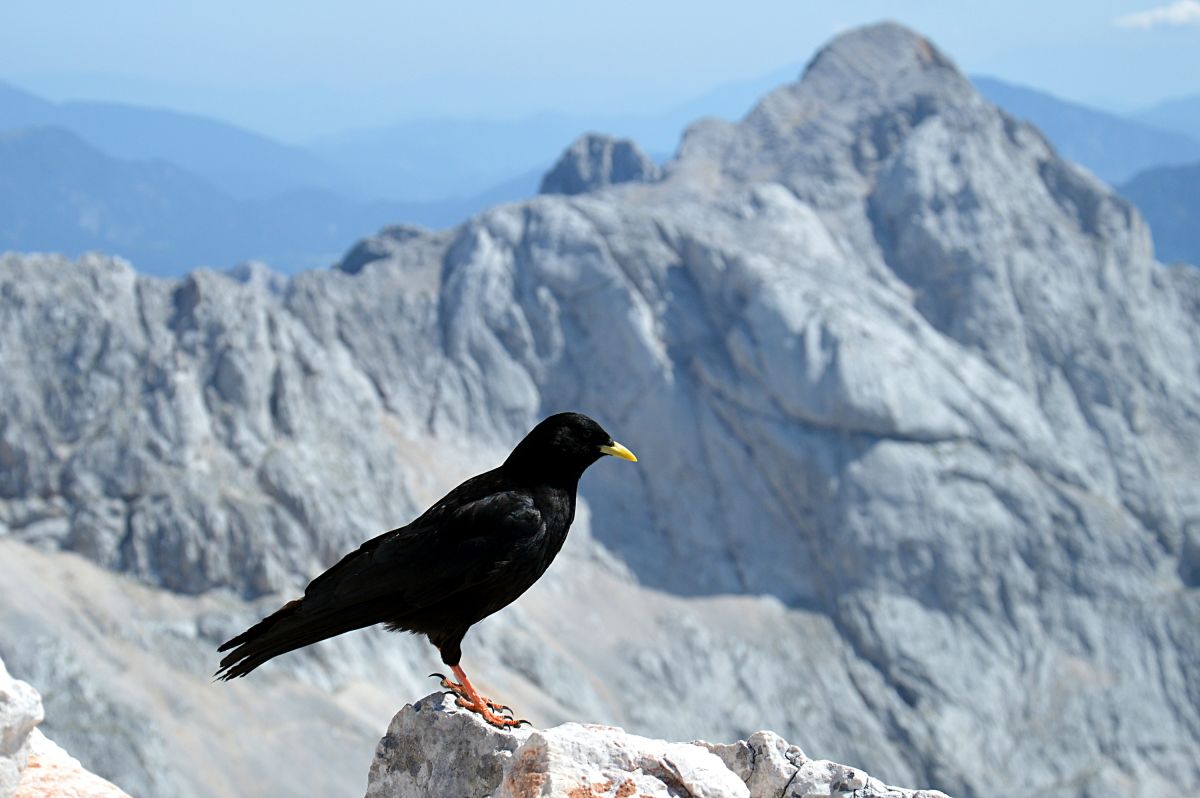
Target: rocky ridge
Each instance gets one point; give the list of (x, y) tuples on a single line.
[(433, 748), (915, 408)]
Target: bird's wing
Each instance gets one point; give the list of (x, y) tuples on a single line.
[(457, 543)]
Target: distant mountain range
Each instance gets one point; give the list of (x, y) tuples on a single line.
[(171, 190), (237, 161), (431, 158), (1181, 114), (58, 193)]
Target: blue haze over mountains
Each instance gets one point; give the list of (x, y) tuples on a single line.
[(171, 191), (1113, 147), (1181, 114)]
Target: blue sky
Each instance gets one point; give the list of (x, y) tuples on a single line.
[(297, 68)]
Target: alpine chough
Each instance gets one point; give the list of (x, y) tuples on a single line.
[(470, 554)]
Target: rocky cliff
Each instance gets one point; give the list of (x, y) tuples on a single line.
[(434, 749), (915, 408)]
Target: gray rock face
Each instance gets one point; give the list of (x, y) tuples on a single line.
[(595, 161), (915, 409), (20, 712), (433, 748)]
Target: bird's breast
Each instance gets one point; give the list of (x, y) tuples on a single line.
[(530, 557)]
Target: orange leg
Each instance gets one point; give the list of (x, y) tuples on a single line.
[(469, 698), (461, 692)]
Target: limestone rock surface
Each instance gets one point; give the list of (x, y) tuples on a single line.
[(432, 748), (53, 773), (31, 765), (20, 713)]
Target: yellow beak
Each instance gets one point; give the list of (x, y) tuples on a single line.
[(617, 450)]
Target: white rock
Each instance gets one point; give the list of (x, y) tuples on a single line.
[(31, 765), (53, 773), (764, 762), (20, 712), (432, 748)]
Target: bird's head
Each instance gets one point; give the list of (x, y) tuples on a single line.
[(563, 446)]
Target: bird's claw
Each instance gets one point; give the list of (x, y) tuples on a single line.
[(485, 710), (452, 688)]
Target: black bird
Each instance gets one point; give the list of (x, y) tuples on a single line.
[(470, 554)]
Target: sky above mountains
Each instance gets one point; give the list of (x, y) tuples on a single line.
[(299, 69)]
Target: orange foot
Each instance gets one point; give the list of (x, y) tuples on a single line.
[(484, 710), (468, 698), (461, 693)]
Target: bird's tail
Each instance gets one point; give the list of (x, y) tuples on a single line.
[(290, 627)]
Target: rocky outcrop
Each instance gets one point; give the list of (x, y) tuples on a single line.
[(20, 712), (387, 243), (915, 408), (595, 161), (31, 765), (53, 773), (434, 749)]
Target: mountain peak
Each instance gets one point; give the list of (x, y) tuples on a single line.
[(594, 161), (821, 136), (876, 54)]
